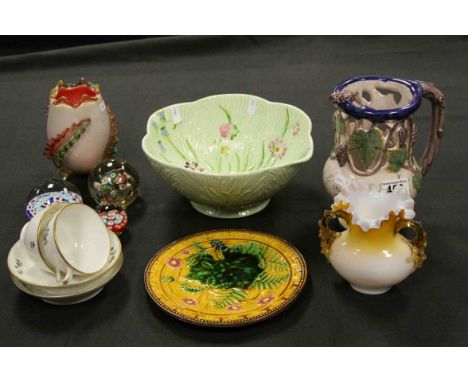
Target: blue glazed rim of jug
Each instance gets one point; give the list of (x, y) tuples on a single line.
[(364, 112)]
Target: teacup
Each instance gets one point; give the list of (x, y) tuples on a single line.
[(30, 232), (74, 241)]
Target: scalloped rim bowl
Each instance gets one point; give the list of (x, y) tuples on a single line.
[(230, 153)]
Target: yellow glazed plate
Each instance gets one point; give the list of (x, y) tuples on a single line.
[(225, 277)]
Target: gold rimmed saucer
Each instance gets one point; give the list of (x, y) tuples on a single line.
[(32, 279)]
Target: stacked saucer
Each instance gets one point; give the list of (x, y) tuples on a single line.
[(36, 281), (79, 263)]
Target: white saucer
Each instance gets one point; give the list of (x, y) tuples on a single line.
[(32, 279), (65, 300)]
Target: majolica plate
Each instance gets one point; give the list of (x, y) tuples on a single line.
[(225, 277)]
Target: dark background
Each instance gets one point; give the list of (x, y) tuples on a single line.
[(137, 76)]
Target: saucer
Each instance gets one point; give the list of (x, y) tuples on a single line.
[(32, 279), (63, 300), (226, 277), (68, 291)]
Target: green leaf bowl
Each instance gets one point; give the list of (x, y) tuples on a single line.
[(228, 154)]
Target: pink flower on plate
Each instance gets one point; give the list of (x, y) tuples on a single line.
[(225, 130), (266, 300), (277, 148), (174, 262), (185, 252), (190, 301), (234, 307)]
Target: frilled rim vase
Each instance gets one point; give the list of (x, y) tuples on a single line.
[(371, 253)]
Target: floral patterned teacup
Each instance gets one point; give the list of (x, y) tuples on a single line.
[(30, 233)]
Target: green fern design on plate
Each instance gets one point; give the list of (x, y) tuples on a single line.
[(229, 297), (198, 247), (231, 271), (274, 262), (268, 281), (190, 288)]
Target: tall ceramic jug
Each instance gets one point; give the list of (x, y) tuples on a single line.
[(375, 134)]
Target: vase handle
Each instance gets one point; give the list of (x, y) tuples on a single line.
[(437, 99), (328, 235), (418, 243)]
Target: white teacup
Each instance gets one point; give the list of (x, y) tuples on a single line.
[(30, 232), (75, 241)]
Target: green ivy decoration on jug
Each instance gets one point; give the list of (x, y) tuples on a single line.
[(368, 144), (397, 158)]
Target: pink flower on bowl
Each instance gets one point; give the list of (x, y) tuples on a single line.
[(266, 300), (174, 262), (193, 166), (185, 252), (190, 301), (277, 148), (234, 307), (225, 130)]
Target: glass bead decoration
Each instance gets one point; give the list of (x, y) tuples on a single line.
[(51, 191), (114, 181), (114, 217)]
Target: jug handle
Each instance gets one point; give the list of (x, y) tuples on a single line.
[(437, 99), (418, 243), (328, 235)]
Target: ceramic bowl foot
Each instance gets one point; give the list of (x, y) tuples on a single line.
[(370, 290), (230, 214), (72, 300)]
